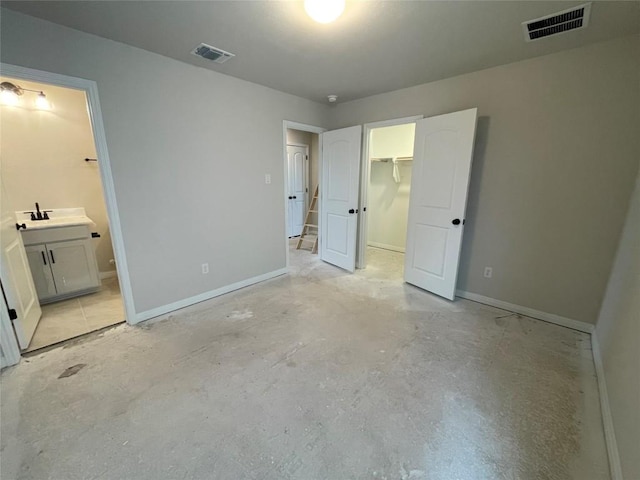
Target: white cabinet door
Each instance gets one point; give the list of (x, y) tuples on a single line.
[(339, 196), (16, 277), (73, 266), (41, 271), (438, 199), (297, 158)]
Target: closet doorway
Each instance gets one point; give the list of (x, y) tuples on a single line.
[(385, 191)]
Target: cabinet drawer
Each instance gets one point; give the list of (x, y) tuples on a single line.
[(32, 237)]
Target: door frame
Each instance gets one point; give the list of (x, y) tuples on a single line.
[(90, 88), (365, 171), (303, 127)]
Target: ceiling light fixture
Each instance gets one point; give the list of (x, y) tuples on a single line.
[(332, 98), (324, 11), (10, 94)]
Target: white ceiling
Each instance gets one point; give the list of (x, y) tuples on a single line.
[(375, 47)]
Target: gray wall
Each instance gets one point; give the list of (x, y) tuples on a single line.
[(556, 155), (618, 333), (189, 186)]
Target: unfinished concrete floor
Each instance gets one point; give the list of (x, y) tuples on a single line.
[(316, 375)]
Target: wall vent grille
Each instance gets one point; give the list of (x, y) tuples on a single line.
[(557, 23), (212, 53)]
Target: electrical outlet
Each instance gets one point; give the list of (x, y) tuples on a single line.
[(488, 272), (205, 268), (267, 178)]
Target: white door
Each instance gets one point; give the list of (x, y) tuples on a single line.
[(16, 277), (438, 199), (339, 196), (297, 159)]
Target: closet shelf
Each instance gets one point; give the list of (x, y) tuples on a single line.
[(389, 159)]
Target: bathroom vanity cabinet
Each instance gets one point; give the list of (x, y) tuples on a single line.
[(62, 261)]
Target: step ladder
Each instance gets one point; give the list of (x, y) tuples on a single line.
[(306, 235)]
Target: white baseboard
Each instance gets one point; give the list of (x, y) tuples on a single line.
[(607, 419), (109, 274), (156, 312), (386, 246), (529, 312)]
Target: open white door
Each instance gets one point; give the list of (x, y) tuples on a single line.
[(16, 276), (339, 196), (438, 199)]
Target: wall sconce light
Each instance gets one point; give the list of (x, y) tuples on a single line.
[(10, 94)]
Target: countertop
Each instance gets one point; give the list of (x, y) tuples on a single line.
[(58, 217)]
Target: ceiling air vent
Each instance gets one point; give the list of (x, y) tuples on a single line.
[(573, 19), (212, 53)]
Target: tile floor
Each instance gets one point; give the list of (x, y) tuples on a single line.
[(70, 318)]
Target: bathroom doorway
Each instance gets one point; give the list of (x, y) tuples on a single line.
[(53, 191)]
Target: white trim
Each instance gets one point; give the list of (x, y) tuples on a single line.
[(90, 87), (386, 246), (607, 419), (303, 127), (156, 312), (109, 274), (529, 312), (361, 254)]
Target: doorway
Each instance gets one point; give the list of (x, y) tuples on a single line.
[(60, 276), (385, 188), (384, 229), (442, 154), (302, 145)]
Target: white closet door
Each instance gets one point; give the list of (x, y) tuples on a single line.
[(440, 181), (297, 158), (339, 196)]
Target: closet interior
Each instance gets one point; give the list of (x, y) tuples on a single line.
[(391, 161)]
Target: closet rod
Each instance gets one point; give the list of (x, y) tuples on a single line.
[(390, 159)]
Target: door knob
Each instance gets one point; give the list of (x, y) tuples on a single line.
[(294, 197), (290, 197), (351, 210), (456, 221)]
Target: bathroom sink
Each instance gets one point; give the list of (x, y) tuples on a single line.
[(60, 217)]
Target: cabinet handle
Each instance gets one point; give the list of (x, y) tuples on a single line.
[(44, 258), (53, 260)]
